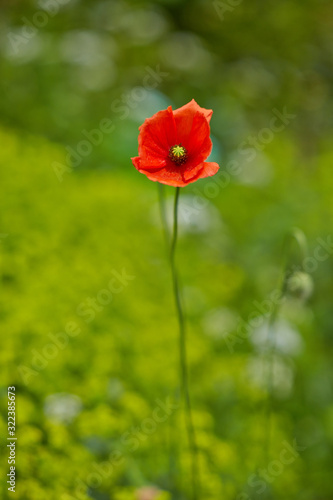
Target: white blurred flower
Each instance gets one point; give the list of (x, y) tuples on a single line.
[(62, 407), (300, 285), (283, 338), (195, 215), (261, 371)]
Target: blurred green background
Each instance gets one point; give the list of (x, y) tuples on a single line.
[(93, 366)]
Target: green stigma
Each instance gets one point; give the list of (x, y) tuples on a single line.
[(178, 154)]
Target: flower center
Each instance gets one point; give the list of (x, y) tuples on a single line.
[(178, 154)]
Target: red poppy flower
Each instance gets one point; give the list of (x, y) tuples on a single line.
[(173, 146)]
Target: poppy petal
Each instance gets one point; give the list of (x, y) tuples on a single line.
[(158, 134), (165, 176), (193, 172), (199, 141), (136, 162), (190, 109), (148, 164), (209, 169)]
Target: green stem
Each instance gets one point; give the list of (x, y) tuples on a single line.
[(183, 356), (173, 439)]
